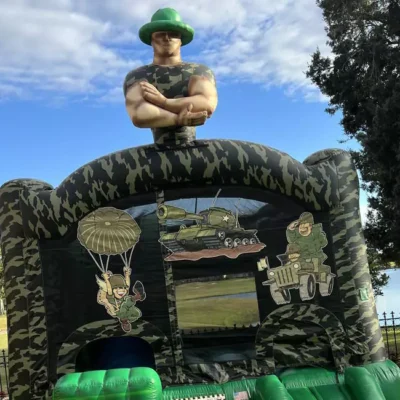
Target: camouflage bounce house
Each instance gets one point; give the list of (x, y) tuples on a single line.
[(187, 269)]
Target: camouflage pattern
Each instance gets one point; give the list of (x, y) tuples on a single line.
[(31, 211), (110, 328), (144, 169), (308, 313), (171, 297), (27, 340), (173, 82), (364, 338)]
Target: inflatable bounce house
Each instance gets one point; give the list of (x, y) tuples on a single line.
[(187, 269)]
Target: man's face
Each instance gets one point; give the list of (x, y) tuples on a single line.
[(305, 229), (120, 292), (166, 44), (294, 257)]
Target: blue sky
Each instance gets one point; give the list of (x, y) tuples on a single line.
[(391, 300), (62, 67)]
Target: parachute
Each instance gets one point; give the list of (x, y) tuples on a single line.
[(107, 232)]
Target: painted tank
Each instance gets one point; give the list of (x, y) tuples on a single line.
[(214, 228)]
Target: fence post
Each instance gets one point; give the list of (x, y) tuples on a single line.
[(386, 332), (4, 364), (394, 334)]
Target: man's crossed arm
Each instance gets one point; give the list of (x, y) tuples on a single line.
[(148, 108)]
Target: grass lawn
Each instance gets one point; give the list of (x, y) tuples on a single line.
[(3, 336), (3, 346), (201, 304), (196, 290), (391, 339), (217, 313)]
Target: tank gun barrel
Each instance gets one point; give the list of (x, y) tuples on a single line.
[(165, 212)]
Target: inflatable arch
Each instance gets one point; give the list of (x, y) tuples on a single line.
[(326, 321)]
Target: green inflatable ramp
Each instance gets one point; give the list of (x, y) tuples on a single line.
[(314, 384), (387, 374), (377, 381), (115, 384)]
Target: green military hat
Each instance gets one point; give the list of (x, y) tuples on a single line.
[(306, 218), (166, 19), (293, 248), (117, 281)]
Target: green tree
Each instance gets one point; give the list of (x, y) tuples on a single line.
[(379, 278), (361, 78)]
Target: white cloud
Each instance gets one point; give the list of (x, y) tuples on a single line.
[(87, 46), (114, 95), (364, 211)]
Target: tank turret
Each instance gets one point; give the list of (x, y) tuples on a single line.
[(175, 213)]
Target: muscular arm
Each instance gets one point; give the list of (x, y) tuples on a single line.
[(144, 114), (202, 94)]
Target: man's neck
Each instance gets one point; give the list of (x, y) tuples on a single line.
[(171, 60)]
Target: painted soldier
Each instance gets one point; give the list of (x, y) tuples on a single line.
[(114, 295), (293, 256), (169, 96), (310, 238)]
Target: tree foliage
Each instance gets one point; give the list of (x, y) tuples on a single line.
[(361, 78), (379, 278)]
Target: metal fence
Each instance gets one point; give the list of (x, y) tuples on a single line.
[(4, 381), (390, 326)]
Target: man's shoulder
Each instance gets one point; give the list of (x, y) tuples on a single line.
[(137, 73), (196, 66), (199, 69)]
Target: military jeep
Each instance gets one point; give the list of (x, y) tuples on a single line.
[(302, 274)]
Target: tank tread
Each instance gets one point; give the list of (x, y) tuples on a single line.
[(213, 243), (234, 235), (173, 246)]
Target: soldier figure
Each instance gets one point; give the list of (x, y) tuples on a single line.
[(114, 295), (293, 253), (309, 237), (169, 96)]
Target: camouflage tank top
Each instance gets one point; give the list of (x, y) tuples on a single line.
[(173, 82)]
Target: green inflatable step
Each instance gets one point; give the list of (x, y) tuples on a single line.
[(116, 384), (378, 381), (362, 384), (314, 384), (271, 388), (387, 374)]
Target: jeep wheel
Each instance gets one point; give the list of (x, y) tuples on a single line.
[(307, 287), (326, 289), (280, 296)]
